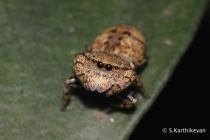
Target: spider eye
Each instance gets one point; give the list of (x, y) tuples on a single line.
[(100, 65), (108, 67), (94, 60)]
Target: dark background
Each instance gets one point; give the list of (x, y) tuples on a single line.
[(183, 101)]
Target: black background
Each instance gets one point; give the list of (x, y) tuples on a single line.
[(183, 101)]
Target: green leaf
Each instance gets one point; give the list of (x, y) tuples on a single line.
[(38, 40)]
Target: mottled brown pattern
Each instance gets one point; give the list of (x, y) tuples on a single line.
[(126, 42), (109, 65)]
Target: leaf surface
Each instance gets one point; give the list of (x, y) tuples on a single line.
[(38, 40)]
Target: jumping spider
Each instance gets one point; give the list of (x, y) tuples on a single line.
[(109, 66)]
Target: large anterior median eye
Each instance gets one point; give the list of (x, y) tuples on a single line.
[(100, 65), (108, 67)]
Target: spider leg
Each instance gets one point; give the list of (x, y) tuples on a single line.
[(87, 49), (66, 91), (126, 102), (114, 89), (139, 83)]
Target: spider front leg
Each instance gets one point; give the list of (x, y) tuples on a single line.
[(126, 102), (66, 91), (139, 83)]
